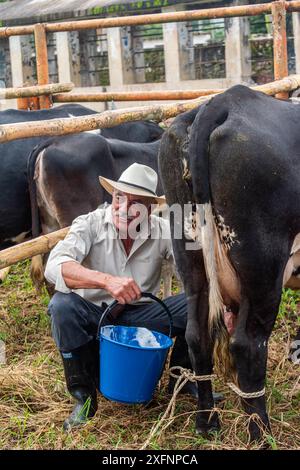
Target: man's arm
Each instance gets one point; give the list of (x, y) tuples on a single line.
[(76, 276), (65, 271)]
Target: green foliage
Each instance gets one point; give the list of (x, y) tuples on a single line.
[(154, 65), (259, 24), (120, 7), (272, 442), (289, 301)]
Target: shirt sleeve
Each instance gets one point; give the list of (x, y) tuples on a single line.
[(75, 247)]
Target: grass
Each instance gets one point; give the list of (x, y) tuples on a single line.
[(34, 401)]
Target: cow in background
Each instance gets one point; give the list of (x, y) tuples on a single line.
[(63, 181), (15, 214)]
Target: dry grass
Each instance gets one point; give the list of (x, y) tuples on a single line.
[(34, 401)]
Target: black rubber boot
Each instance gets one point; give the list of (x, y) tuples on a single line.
[(180, 357), (82, 373)]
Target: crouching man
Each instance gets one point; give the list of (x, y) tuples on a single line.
[(115, 252)]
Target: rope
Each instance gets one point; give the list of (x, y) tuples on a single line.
[(184, 376), (242, 394), (190, 375)]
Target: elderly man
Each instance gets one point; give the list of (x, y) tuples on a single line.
[(115, 252)]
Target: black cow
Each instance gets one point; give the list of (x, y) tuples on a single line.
[(15, 215), (15, 218), (136, 131), (236, 158), (63, 178)]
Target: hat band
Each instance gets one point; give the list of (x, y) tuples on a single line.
[(139, 187)]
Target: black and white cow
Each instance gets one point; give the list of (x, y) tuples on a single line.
[(63, 175), (236, 159), (15, 214)]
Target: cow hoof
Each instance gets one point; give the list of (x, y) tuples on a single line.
[(208, 429), (259, 431)]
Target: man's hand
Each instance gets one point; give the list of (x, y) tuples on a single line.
[(122, 289)]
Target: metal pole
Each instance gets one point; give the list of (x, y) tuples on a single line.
[(155, 18), (280, 43), (35, 90), (133, 96), (42, 62), (28, 103)]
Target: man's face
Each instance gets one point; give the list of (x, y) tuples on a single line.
[(129, 210)]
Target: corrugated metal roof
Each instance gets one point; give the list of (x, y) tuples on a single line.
[(17, 11)]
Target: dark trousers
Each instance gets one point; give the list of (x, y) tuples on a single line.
[(75, 320)]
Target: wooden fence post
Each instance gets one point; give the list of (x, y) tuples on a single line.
[(280, 43), (42, 62)]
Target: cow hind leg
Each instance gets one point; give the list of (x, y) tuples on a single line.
[(249, 349), (201, 352), (37, 271)]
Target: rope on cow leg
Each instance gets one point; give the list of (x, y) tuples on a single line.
[(202, 378), (184, 376), (246, 395), (190, 375)]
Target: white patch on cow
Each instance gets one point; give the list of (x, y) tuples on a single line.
[(192, 227), (296, 244), (18, 239), (224, 285), (289, 279), (227, 235), (95, 132), (208, 237), (186, 175)]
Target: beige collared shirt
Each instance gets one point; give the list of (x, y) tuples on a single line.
[(93, 241)]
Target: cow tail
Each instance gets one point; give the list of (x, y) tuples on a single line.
[(208, 119), (37, 269)]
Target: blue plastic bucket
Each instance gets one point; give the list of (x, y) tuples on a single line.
[(129, 371), (131, 366)]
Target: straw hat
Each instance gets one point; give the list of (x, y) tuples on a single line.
[(137, 179)]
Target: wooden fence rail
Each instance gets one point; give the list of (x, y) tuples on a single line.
[(163, 95), (35, 90), (36, 246)]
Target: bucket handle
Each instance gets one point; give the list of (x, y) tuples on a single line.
[(111, 306)]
